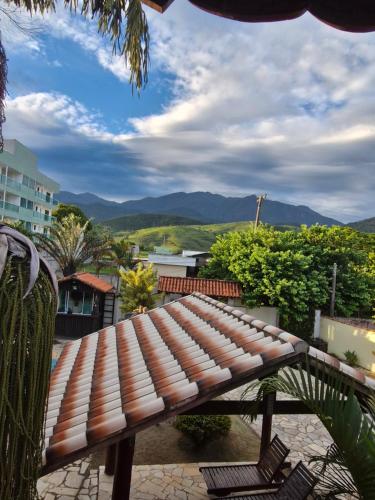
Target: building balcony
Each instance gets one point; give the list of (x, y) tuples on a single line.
[(27, 191), (43, 217), (10, 207)]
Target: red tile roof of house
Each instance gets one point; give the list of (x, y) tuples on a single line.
[(113, 383), (215, 288), (90, 280)]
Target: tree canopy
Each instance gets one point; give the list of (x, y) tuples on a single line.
[(72, 244), (64, 209), (292, 270)]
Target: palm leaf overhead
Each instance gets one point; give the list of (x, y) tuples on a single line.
[(349, 465), (123, 21)]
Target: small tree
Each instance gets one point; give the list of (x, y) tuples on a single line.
[(102, 253), (63, 210), (72, 244), (136, 288), (121, 253)]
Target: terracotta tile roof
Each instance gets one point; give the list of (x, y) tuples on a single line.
[(115, 382), (89, 280), (215, 288)]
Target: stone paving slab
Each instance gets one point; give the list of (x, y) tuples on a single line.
[(160, 482), (76, 480)]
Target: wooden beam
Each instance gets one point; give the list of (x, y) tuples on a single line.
[(159, 5), (268, 409), (123, 472), (222, 407)]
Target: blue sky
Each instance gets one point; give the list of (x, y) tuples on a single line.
[(231, 108)]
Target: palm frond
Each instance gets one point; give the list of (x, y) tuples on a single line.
[(330, 396)]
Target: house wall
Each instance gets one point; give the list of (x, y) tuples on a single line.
[(269, 315), (170, 270), (342, 337)]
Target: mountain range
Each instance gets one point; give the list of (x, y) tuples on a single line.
[(200, 206)]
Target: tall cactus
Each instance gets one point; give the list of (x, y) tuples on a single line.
[(28, 301)]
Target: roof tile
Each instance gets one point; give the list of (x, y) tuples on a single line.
[(131, 375), (90, 280), (217, 288)]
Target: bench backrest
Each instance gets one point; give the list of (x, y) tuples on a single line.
[(272, 458), (299, 484)]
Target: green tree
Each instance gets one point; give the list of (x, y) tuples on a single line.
[(292, 270), (102, 254), (136, 289), (72, 244), (63, 210), (122, 254)]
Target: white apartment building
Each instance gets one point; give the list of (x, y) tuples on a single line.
[(26, 194)]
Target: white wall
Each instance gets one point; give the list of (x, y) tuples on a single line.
[(269, 315), (169, 270), (342, 337)]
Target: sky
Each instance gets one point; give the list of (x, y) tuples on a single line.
[(231, 108)]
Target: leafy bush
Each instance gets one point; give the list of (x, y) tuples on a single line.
[(292, 271), (203, 428), (351, 357)]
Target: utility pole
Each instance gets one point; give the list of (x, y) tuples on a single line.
[(260, 200), (333, 291)]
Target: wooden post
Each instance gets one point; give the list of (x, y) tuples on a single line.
[(110, 460), (123, 472), (333, 293), (265, 439), (260, 200)]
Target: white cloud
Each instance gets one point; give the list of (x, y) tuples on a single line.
[(284, 108)]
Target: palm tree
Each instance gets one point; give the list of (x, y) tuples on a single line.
[(349, 464), (71, 244), (136, 288), (122, 254)]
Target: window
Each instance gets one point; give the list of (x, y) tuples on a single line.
[(62, 300), (28, 226), (32, 183), (76, 302), (29, 204), (23, 202), (25, 180), (87, 303)]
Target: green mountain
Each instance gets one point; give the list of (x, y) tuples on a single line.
[(365, 225), (141, 221), (177, 238), (205, 207)]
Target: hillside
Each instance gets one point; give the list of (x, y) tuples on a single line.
[(205, 207), (141, 221), (365, 225), (197, 237)]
